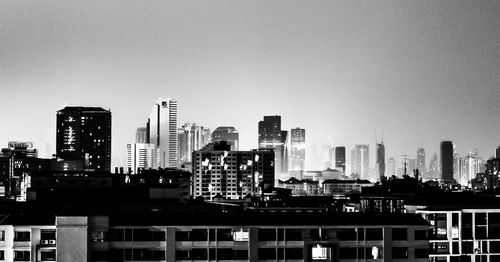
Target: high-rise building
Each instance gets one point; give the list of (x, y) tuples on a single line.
[(271, 136), (434, 168), (340, 157), (162, 129), (227, 133), (141, 156), (421, 162), (447, 161), (498, 152), (412, 165), (298, 148), (360, 161), (218, 171), (381, 160), (84, 134), (391, 167), (141, 135), (191, 138)]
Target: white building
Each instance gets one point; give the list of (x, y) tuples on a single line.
[(162, 126), (142, 156)]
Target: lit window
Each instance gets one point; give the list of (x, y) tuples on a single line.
[(320, 253)]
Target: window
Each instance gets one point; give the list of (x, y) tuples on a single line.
[(2, 255), (421, 235), (399, 252), (374, 234), (294, 253), (21, 255), (267, 234), (198, 254), (181, 254), (421, 253), (347, 253), (373, 252), (199, 235), (320, 253), (399, 234), (99, 256), (49, 255), (22, 236), (2, 235), (182, 235), (267, 253), (224, 234), (293, 235), (97, 236), (346, 234)]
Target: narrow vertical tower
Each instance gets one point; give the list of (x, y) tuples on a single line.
[(162, 125)]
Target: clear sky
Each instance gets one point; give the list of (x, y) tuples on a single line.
[(418, 71)]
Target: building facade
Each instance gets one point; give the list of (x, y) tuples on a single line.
[(421, 162), (84, 134), (447, 161), (340, 158), (298, 148), (272, 137), (218, 171), (191, 138), (142, 156), (229, 134), (360, 160), (381, 160), (162, 129)]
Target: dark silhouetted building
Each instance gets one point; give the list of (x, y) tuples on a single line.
[(84, 135), (381, 160), (271, 136), (298, 148), (340, 157), (498, 152), (447, 161), (227, 133)]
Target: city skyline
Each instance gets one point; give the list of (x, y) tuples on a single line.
[(441, 85)]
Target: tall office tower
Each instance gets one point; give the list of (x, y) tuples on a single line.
[(271, 136), (421, 162), (340, 158), (162, 129), (381, 160), (217, 170), (141, 156), (229, 134), (391, 167), (434, 168), (498, 152), (447, 161), (141, 135), (298, 148), (191, 138), (84, 135), (360, 159), (462, 171)]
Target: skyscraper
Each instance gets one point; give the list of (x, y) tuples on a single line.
[(162, 129), (227, 133), (191, 138), (498, 152), (360, 161), (141, 135), (271, 136), (381, 160), (421, 162), (340, 157), (84, 134), (298, 148), (447, 161)]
